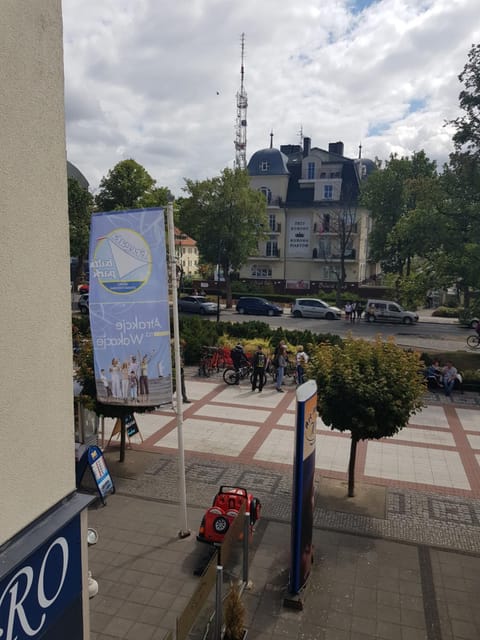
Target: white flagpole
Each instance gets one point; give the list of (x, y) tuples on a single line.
[(184, 531)]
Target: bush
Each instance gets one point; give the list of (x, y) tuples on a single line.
[(446, 312)]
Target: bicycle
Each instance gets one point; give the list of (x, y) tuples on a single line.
[(212, 360), (473, 341), (230, 376)]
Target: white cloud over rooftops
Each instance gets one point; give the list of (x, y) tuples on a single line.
[(157, 82)]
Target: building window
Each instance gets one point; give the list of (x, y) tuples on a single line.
[(272, 222), (267, 193), (326, 223), (271, 249), (264, 166), (329, 273), (310, 171), (260, 271), (327, 191)]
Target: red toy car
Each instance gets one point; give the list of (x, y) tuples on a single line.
[(226, 505)]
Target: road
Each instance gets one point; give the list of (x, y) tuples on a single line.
[(426, 334)]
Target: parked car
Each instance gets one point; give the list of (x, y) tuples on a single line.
[(197, 304), (83, 303), (258, 306), (314, 308), (388, 311), (225, 507)]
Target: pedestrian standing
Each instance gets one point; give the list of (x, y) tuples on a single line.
[(348, 311), (301, 359), (282, 363), (353, 313), (259, 365)]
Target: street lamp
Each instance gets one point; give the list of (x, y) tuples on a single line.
[(218, 280)]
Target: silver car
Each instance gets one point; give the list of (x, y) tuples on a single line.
[(197, 304), (314, 308)]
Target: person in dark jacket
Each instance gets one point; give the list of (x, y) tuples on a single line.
[(239, 359), (259, 365)]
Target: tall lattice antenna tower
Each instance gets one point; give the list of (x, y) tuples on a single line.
[(241, 124)]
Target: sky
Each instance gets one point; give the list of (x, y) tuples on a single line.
[(157, 81)]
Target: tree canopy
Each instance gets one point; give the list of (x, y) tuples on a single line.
[(402, 199), (368, 388), (467, 134), (80, 203), (226, 217), (129, 186)]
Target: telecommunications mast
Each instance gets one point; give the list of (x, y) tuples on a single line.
[(241, 125)]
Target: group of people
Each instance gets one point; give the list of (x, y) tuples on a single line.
[(442, 377), (260, 363), (128, 380), (353, 311)]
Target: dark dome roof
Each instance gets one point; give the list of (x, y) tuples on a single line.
[(76, 174), (273, 161)]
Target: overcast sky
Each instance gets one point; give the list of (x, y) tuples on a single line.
[(156, 80)]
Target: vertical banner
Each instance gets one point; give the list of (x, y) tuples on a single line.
[(129, 308), (303, 493)]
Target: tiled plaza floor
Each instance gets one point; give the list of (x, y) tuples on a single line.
[(439, 450)]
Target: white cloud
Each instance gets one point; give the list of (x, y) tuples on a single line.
[(158, 81)]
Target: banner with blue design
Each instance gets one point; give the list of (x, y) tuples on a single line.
[(129, 308)]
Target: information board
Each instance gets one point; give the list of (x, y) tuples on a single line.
[(100, 472)]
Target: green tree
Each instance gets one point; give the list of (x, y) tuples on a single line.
[(368, 388), (461, 182), (129, 186), (227, 218), (403, 200), (80, 203), (467, 134)]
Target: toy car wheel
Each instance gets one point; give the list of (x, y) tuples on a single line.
[(220, 525)]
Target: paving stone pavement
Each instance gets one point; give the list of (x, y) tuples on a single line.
[(394, 563)]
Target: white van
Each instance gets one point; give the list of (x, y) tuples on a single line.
[(388, 311)]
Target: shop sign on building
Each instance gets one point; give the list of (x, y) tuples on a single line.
[(298, 237), (42, 596)]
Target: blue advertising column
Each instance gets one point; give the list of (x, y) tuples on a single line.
[(303, 492)]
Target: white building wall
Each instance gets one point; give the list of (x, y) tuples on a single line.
[(36, 434)]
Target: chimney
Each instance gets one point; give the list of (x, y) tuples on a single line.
[(306, 146), (336, 147)]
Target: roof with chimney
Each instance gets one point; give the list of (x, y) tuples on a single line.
[(288, 161)]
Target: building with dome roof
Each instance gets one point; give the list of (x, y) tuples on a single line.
[(313, 217)]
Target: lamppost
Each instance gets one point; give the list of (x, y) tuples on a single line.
[(218, 279)]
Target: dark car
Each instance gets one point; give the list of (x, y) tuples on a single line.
[(83, 303), (258, 306), (197, 304)]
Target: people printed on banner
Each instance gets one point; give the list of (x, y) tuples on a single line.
[(125, 380), (116, 376), (106, 383), (143, 379), (133, 384)]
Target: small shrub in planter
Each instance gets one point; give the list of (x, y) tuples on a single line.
[(234, 614)]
